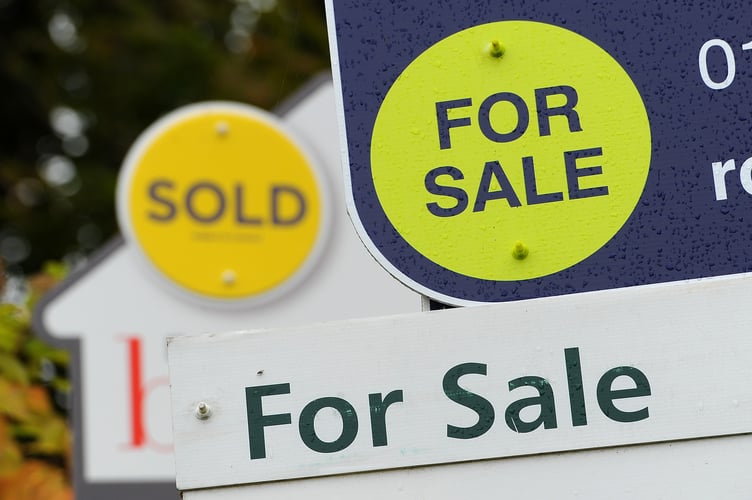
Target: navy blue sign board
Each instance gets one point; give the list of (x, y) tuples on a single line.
[(672, 79)]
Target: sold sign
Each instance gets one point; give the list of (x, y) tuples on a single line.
[(223, 201)]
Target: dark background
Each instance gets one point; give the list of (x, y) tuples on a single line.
[(80, 79)]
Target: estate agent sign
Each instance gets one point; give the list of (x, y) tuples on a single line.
[(651, 364), (562, 152), (509, 150)]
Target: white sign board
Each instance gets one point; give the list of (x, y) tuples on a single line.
[(643, 365), (683, 470), (116, 315)]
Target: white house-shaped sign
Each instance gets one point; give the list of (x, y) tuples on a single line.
[(114, 316)]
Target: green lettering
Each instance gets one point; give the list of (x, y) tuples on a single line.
[(470, 400), (256, 418), (308, 431), (545, 400), (378, 414), (606, 394), (574, 382)]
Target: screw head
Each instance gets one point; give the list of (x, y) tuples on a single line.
[(203, 411), (229, 277), (496, 48), (520, 251), (222, 128)]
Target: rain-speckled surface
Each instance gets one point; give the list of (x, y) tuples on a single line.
[(678, 230)]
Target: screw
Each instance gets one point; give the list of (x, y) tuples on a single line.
[(203, 411), (520, 251), (229, 277), (222, 128), (496, 48)]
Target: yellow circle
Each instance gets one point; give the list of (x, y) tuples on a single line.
[(222, 201), (481, 190)]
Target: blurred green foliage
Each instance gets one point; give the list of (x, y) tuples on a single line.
[(80, 79), (35, 442)]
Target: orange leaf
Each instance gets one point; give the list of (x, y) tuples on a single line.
[(38, 400), (36, 481)]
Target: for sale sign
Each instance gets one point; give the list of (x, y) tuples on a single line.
[(652, 364), (500, 151)]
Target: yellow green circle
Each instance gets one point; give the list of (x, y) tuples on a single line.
[(223, 202), (587, 144)]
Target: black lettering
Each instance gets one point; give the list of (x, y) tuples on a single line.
[(207, 187), (444, 123), (297, 216), (491, 170), (449, 191), (574, 173), (154, 188), (484, 118), (240, 216), (531, 185), (567, 109)]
